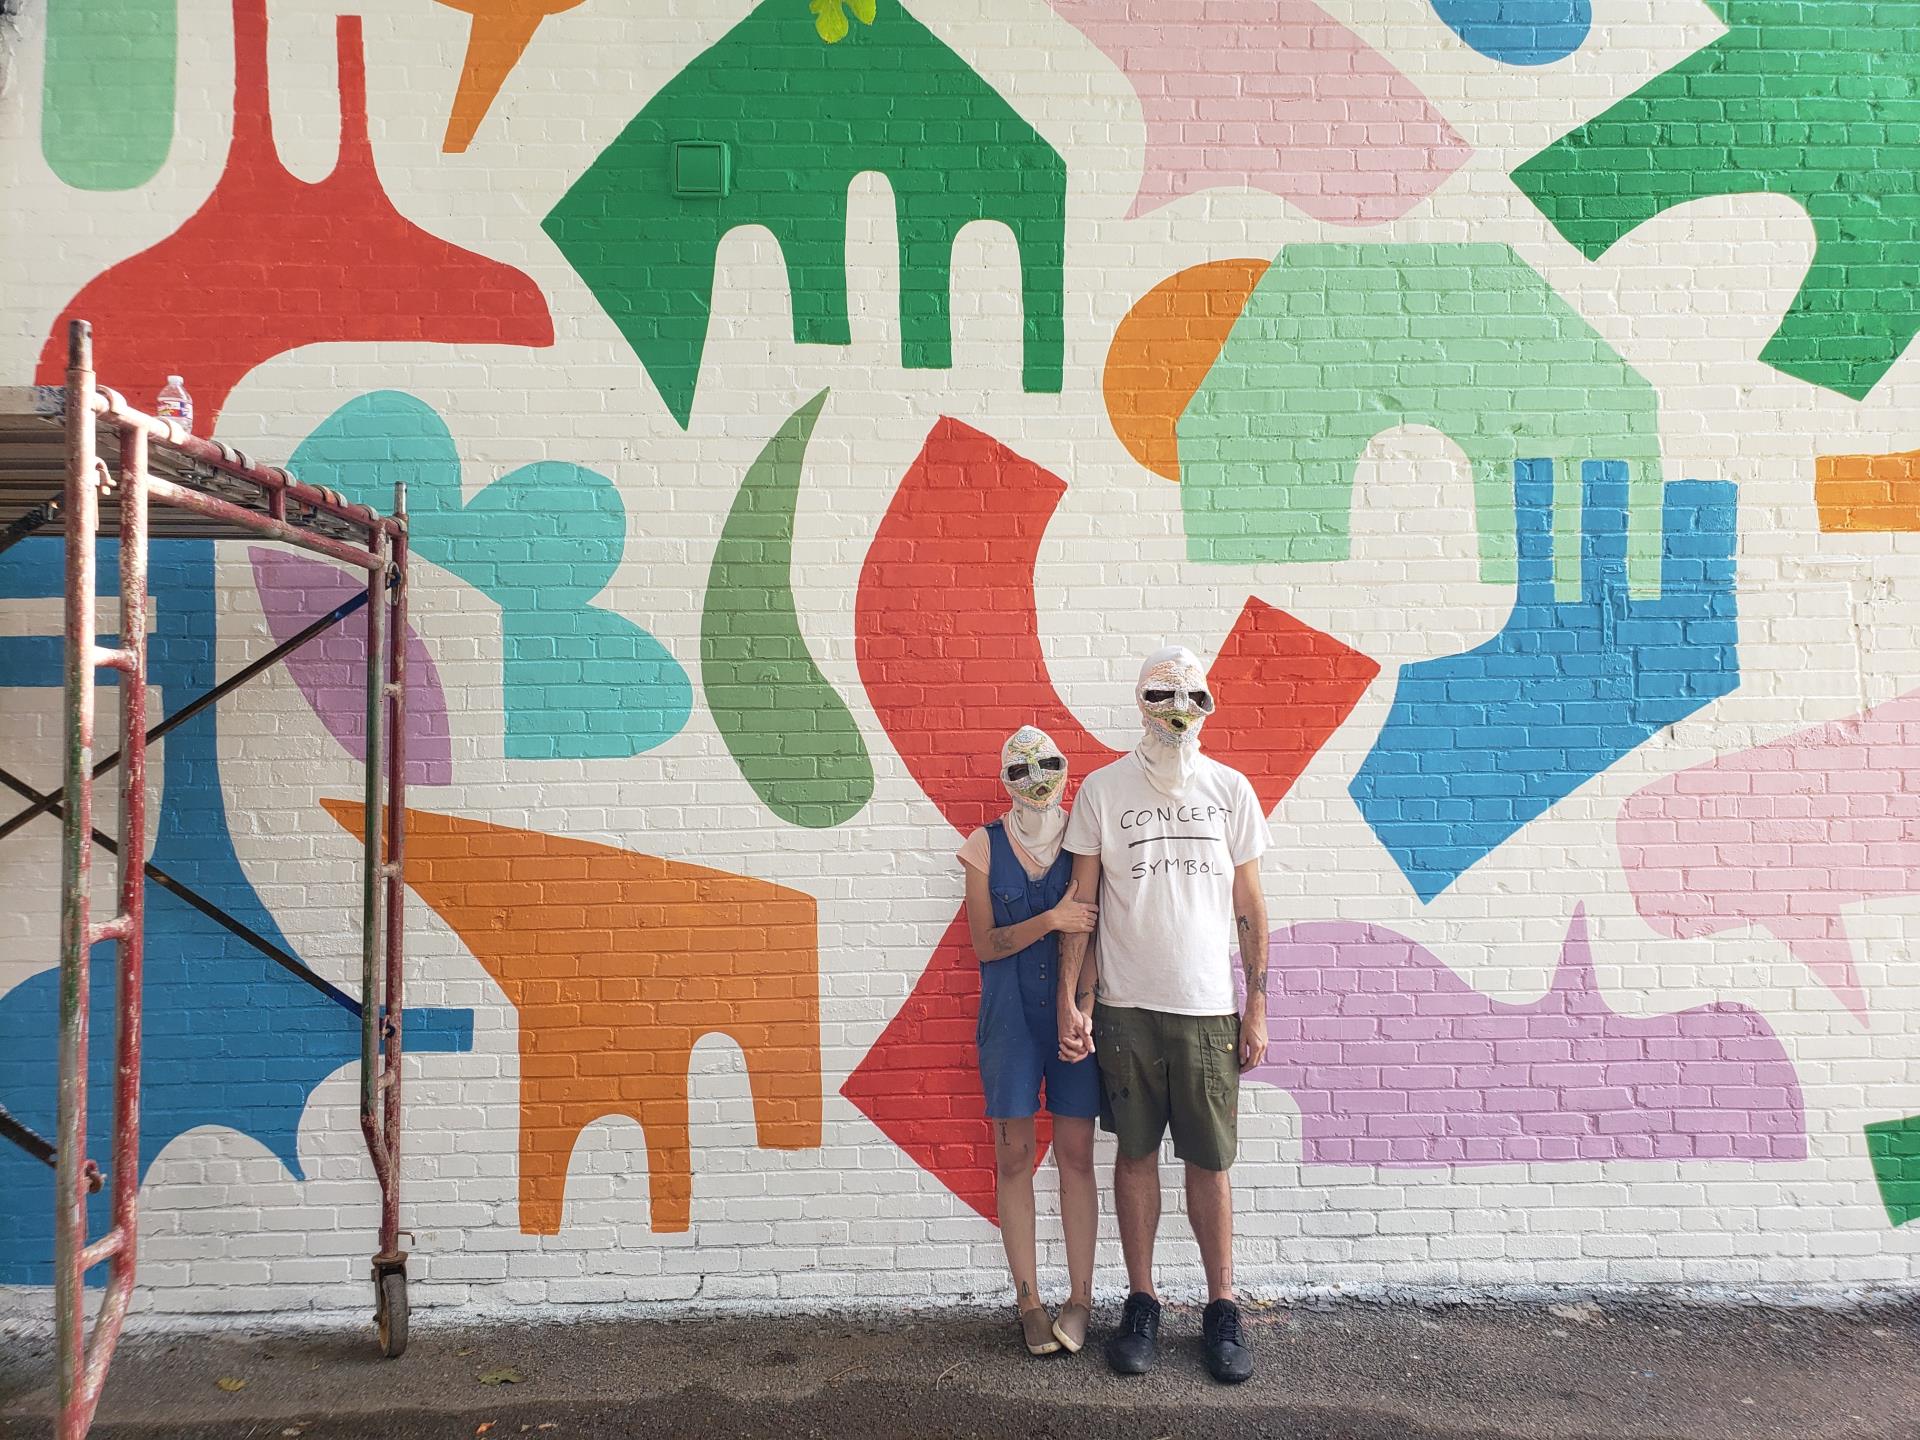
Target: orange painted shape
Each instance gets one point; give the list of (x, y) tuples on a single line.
[(502, 30), (1868, 493), (1163, 349), (618, 964)]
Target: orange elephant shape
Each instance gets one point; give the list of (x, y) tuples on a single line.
[(619, 963)]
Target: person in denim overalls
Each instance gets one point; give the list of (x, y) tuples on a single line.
[(1017, 907)]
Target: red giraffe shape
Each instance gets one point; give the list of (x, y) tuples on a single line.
[(948, 640), (271, 262)]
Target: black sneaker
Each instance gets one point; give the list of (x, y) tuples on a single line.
[(1228, 1359), (1135, 1344)]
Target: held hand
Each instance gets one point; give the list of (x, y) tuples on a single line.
[(1253, 1037), (1076, 1034), (1074, 917)]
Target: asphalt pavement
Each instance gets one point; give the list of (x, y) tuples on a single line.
[(1591, 1370)]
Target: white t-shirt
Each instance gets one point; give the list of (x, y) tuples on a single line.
[(1166, 882)]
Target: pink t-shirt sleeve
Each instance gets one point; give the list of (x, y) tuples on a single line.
[(977, 851)]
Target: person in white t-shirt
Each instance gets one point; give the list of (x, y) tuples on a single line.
[(1168, 841)]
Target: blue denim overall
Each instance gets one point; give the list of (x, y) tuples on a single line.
[(1017, 1035)]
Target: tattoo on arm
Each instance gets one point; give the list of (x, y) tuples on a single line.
[(1251, 956)]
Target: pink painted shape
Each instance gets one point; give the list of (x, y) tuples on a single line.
[(1278, 97), (1397, 1062), (1785, 836), (331, 668)]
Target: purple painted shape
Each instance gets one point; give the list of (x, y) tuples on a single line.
[(1397, 1062), (1274, 95), (331, 668)]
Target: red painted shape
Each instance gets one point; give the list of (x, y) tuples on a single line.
[(920, 1083), (271, 262), (948, 641)]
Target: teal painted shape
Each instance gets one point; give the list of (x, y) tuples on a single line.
[(106, 104), (787, 729), (579, 681), (1814, 100), (801, 120), (1338, 343)]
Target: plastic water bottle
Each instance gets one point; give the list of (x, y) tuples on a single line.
[(175, 403)]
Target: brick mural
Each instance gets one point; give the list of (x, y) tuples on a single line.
[(1513, 407)]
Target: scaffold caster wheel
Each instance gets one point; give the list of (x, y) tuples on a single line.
[(390, 1316)]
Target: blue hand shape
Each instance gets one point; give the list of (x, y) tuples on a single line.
[(1519, 32), (1479, 744), (232, 1040), (579, 682)]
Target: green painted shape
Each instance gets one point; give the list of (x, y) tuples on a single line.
[(106, 105), (1819, 103), (1338, 343), (788, 729), (802, 119), (1894, 1146)]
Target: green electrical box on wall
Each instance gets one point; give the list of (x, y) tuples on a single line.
[(702, 169)]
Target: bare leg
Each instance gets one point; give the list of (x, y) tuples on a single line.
[(1079, 1202), (1013, 1159), (1210, 1208), (1136, 1200)]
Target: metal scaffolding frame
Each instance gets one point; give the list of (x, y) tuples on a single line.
[(121, 472)]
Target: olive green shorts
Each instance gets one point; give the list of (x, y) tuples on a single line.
[(1159, 1070)]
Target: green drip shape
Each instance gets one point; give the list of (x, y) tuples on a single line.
[(788, 730), (106, 107), (1338, 343), (1819, 103), (800, 120)]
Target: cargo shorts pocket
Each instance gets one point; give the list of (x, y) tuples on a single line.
[(1220, 1044)]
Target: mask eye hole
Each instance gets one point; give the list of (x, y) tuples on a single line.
[(1017, 772), (1156, 697), (1202, 701), (1054, 763)]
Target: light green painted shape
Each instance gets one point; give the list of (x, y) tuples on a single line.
[(1341, 342), (106, 107), (788, 729)]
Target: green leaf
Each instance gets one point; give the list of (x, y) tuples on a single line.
[(829, 17)]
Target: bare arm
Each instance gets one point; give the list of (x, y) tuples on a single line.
[(1250, 931), (1085, 886), (1079, 970), (992, 942)]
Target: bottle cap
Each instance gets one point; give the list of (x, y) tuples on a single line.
[(173, 379)]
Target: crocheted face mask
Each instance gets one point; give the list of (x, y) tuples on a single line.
[(1033, 769), (1173, 695)]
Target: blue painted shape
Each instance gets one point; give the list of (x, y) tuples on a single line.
[(232, 1040), (1519, 32), (579, 681), (1477, 745)]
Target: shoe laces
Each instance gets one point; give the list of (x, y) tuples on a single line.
[(1226, 1324), (1137, 1317)]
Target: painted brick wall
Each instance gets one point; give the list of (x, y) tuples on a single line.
[(1508, 401)]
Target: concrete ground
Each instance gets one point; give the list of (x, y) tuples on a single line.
[(1593, 1370)]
